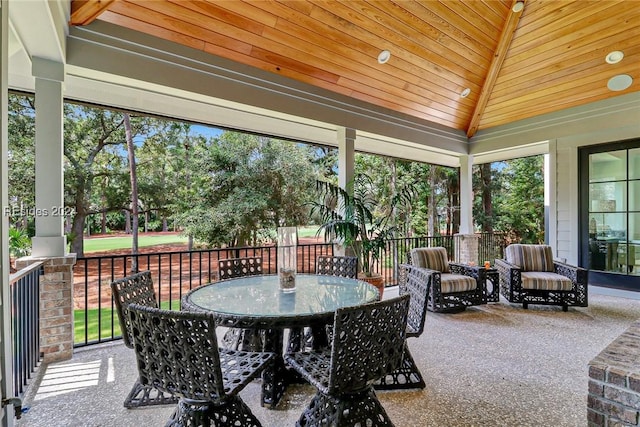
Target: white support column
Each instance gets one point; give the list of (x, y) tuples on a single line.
[(6, 357), (550, 200), (49, 239), (346, 166), (346, 156), (466, 194)]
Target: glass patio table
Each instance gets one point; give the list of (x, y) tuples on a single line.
[(256, 302)]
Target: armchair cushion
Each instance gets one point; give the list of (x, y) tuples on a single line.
[(530, 257), (450, 283), (542, 280), (431, 258)]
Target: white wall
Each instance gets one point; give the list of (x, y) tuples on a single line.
[(566, 211)]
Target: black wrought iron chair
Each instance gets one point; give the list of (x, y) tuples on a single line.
[(239, 267), (234, 338), (316, 335), (529, 275), (177, 352), (367, 344), (137, 289), (342, 266), (454, 286), (412, 281)]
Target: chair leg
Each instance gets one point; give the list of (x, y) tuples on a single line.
[(525, 305), (141, 396), (407, 376), (233, 412), (349, 410)]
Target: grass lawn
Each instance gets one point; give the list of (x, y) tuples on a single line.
[(101, 244), (112, 243), (107, 315)]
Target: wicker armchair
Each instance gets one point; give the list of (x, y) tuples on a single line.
[(316, 335), (177, 352), (241, 339), (529, 275), (137, 289), (367, 344), (453, 287), (412, 281)]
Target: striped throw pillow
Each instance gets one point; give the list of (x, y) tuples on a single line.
[(530, 257), (431, 258)]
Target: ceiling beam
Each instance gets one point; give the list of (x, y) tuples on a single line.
[(494, 69), (84, 12)]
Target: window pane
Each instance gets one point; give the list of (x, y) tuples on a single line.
[(609, 166), (634, 196), (627, 255), (634, 163), (608, 197), (605, 245)]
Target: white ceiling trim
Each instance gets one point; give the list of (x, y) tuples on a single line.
[(116, 51), (41, 27)]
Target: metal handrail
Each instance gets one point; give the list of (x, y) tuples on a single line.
[(25, 324), (175, 273)]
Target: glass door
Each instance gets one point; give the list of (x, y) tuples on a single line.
[(610, 192)]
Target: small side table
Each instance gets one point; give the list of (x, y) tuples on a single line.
[(494, 277)]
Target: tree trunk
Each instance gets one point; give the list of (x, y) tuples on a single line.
[(487, 202), (134, 192), (431, 206), (77, 233), (165, 226)]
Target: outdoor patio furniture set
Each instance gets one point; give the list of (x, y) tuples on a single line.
[(346, 353)]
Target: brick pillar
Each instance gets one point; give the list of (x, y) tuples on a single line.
[(56, 306), (466, 251)]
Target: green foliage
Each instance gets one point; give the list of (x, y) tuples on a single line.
[(247, 183), (19, 243), (517, 199), (347, 216)]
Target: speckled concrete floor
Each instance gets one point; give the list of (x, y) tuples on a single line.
[(495, 365)]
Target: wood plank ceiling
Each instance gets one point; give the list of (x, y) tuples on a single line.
[(548, 57)]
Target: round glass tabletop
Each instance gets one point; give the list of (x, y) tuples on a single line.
[(260, 296)]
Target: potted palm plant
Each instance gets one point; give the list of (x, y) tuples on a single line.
[(355, 219)]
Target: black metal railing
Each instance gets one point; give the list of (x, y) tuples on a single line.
[(490, 247), (175, 273), (25, 324)]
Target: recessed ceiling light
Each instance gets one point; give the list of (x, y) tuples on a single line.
[(384, 56), (518, 6), (614, 57), (465, 93), (619, 82)]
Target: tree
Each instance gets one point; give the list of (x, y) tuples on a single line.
[(134, 189), (21, 161), (521, 206), (247, 184)]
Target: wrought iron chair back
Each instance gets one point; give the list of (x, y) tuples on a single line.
[(234, 338), (134, 289), (177, 352), (137, 289), (416, 285), (342, 266), (239, 267), (368, 342)]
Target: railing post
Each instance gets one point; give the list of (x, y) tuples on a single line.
[(56, 306), (466, 248)]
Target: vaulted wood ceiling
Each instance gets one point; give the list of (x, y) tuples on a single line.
[(548, 57)]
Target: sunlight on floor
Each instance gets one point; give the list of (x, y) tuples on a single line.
[(66, 378)]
